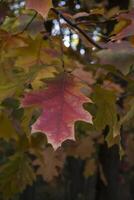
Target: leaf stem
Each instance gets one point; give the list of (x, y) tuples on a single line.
[(61, 43)]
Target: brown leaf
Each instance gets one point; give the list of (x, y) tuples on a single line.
[(50, 163), (41, 6), (82, 149), (118, 54)]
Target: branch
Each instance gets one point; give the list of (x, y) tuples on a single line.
[(73, 25)]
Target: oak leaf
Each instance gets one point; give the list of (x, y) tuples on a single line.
[(49, 163), (113, 138), (41, 6), (37, 52), (83, 148), (11, 80), (118, 54), (10, 41), (106, 114), (128, 30), (83, 75), (7, 131), (17, 171), (62, 105), (19, 24)]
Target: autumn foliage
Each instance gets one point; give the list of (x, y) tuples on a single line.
[(66, 91)]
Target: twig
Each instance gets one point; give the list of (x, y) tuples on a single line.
[(73, 25), (29, 23)]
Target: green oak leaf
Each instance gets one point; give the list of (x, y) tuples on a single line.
[(15, 175)]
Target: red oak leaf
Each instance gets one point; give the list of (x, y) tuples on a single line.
[(61, 105), (41, 6)]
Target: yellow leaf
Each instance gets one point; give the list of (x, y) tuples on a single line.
[(37, 52), (7, 131), (120, 26), (11, 81), (48, 72)]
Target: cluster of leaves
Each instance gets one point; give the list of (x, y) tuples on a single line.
[(46, 87)]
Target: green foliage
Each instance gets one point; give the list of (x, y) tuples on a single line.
[(15, 175), (106, 113)]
